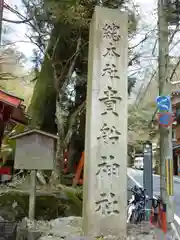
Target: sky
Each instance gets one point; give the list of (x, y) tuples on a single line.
[(20, 30)]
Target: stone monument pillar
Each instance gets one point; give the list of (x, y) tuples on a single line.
[(105, 168)]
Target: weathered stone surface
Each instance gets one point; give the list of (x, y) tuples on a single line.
[(57, 228), (66, 227), (105, 194), (50, 238), (34, 234), (70, 228), (81, 238)]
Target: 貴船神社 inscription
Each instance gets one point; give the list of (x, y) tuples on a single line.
[(105, 186), (110, 99), (108, 167), (109, 134), (107, 204)]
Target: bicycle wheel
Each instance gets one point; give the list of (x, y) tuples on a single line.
[(134, 217), (142, 216)]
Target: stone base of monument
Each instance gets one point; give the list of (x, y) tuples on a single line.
[(70, 228)]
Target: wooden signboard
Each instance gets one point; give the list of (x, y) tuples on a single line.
[(35, 150)]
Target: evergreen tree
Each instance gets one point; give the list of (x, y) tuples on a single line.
[(54, 106)]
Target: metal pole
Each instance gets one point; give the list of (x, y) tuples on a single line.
[(148, 173), (164, 89)]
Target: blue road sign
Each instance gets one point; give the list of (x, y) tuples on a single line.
[(165, 119), (163, 103)]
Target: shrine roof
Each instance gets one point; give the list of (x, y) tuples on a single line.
[(10, 99), (32, 131), (18, 113)]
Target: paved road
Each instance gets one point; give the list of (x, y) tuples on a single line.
[(137, 175)]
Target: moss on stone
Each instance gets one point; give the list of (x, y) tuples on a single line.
[(14, 206)]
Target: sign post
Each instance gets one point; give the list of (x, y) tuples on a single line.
[(165, 120), (32, 196), (148, 173)]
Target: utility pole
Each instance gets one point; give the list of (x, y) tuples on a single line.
[(164, 90), (1, 16), (148, 173)]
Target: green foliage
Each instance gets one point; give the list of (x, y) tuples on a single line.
[(74, 196)]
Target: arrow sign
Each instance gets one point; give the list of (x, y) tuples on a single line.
[(165, 119), (163, 103)]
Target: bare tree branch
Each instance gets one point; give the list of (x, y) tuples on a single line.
[(72, 122), (133, 59), (13, 43), (16, 22), (174, 33), (71, 69), (143, 40), (174, 70), (14, 11), (19, 15), (155, 72), (35, 43)]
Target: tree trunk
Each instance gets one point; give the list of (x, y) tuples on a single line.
[(71, 156), (75, 150), (62, 111), (61, 121)]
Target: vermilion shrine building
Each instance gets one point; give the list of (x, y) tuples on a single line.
[(12, 112)]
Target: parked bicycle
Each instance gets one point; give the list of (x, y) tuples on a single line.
[(137, 205)]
